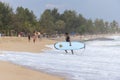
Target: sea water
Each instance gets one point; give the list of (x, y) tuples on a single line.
[(99, 61)]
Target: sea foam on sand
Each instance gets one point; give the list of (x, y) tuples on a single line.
[(99, 61)]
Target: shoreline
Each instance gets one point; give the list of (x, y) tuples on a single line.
[(21, 44), (17, 72)]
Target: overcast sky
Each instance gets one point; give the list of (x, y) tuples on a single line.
[(104, 9)]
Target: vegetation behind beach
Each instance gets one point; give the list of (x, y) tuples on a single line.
[(51, 22)]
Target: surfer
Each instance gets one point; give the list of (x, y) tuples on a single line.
[(67, 38)]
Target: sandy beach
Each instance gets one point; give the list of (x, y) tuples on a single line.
[(9, 71), (21, 44)]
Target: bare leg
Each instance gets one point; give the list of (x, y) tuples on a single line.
[(72, 51), (66, 51)]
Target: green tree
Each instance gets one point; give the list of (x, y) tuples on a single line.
[(60, 25), (107, 27), (69, 18), (55, 14), (99, 25), (89, 27), (47, 22), (25, 20), (5, 17), (114, 26)]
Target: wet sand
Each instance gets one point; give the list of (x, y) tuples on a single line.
[(9, 71)]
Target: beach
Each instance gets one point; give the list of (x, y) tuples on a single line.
[(22, 60), (9, 71), (21, 44)]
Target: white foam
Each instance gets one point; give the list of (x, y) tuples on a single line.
[(114, 37), (98, 62)]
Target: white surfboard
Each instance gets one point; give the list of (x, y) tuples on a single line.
[(67, 46)]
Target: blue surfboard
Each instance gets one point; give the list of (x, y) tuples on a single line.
[(67, 46)]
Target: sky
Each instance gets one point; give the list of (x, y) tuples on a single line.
[(107, 10)]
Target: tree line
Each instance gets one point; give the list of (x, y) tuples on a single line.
[(51, 22)]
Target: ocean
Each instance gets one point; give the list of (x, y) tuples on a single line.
[(99, 61)]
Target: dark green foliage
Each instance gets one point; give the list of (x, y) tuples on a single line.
[(69, 21), (51, 22), (5, 17)]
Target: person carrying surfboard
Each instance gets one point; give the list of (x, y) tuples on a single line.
[(67, 38)]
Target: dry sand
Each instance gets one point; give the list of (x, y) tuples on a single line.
[(10, 71), (21, 44)]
